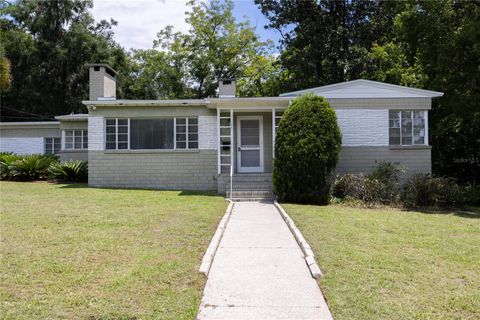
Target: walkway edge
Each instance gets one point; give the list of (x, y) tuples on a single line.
[(306, 249), (215, 242)]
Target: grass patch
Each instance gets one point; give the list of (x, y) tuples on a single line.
[(392, 264), (73, 252)]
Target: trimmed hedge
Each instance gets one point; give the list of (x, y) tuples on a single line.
[(307, 145)]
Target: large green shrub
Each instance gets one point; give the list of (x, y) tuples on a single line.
[(31, 167), (6, 161), (425, 190), (71, 171), (307, 145)]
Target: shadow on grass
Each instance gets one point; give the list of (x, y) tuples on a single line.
[(180, 192), (472, 213)]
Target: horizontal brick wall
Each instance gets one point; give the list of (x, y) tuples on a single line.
[(363, 127), (196, 170), (382, 103), (362, 159), (67, 155), (28, 145)]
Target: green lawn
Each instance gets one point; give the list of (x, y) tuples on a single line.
[(72, 252), (392, 264)]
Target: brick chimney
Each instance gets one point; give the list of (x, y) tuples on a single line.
[(227, 88), (103, 83)]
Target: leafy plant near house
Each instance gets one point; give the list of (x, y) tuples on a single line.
[(382, 185), (6, 160), (71, 171), (307, 145), (32, 167), (425, 190)]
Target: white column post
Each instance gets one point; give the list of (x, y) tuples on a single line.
[(219, 149), (426, 127), (273, 132), (231, 138), (63, 140)]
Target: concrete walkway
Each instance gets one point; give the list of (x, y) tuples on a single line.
[(259, 271)]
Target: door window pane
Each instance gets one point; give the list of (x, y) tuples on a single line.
[(250, 158), (250, 132)]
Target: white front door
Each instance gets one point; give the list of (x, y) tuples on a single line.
[(249, 144)]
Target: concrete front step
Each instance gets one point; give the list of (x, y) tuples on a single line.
[(251, 194), (251, 178), (253, 200), (251, 186)]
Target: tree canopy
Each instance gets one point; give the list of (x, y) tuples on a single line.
[(48, 44)]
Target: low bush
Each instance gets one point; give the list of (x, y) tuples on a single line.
[(31, 167), (471, 193), (382, 185), (349, 185), (71, 171), (425, 190), (6, 160)]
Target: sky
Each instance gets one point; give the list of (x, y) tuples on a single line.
[(140, 20)]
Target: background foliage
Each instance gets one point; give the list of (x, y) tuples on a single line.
[(425, 44)]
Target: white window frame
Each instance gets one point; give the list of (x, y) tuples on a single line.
[(81, 132), (187, 124), (52, 139), (425, 123)]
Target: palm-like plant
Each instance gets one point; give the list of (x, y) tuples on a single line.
[(32, 167), (6, 160), (71, 171)]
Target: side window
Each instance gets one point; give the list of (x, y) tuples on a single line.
[(187, 133), (76, 139), (407, 127), (52, 145), (117, 133)]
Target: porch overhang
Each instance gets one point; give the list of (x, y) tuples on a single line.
[(249, 104)]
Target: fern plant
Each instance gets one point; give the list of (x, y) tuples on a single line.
[(31, 167), (6, 160), (71, 171)]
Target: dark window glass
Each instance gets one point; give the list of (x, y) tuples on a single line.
[(151, 134)]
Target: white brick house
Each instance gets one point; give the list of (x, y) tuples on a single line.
[(195, 144)]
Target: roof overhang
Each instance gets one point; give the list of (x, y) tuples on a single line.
[(145, 103), (366, 89), (254, 104), (30, 124), (73, 117)]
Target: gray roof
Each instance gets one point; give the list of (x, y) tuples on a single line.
[(365, 89), (30, 124), (73, 117)]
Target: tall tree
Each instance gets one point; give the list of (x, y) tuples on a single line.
[(216, 46), (325, 41), (48, 44), (443, 38)]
